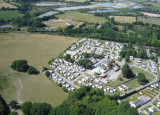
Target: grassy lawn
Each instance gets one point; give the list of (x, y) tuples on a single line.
[(117, 82), (76, 0), (138, 70), (84, 17), (133, 84), (124, 19), (9, 14), (149, 20), (6, 5), (61, 24), (37, 49)]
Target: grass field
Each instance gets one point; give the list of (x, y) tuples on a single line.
[(61, 23), (124, 19), (84, 17), (37, 49), (9, 14), (6, 5), (76, 0), (149, 20)]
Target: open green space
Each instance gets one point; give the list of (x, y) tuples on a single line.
[(9, 14), (37, 49), (124, 19), (84, 17), (149, 20), (138, 70)]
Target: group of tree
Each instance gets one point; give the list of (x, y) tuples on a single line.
[(86, 63), (22, 66), (83, 101), (142, 79), (67, 57), (127, 71), (130, 51), (4, 108), (94, 55)]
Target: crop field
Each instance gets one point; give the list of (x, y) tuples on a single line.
[(9, 14), (82, 17), (149, 20), (37, 49), (76, 0), (61, 23), (124, 19), (6, 5)]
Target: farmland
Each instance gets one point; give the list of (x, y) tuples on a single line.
[(124, 19), (149, 20), (37, 49), (6, 5), (9, 14), (84, 17), (61, 23)]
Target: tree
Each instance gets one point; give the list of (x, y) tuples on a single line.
[(26, 107), (47, 73), (110, 65), (142, 79), (32, 70), (4, 109), (127, 71), (127, 58), (13, 104), (20, 65), (86, 63), (13, 113)]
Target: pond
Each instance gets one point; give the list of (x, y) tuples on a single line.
[(100, 4), (105, 10), (47, 14), (50, 4)]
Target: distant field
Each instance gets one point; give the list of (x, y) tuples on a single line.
[(76, 0), (61, 23), (9, 14), (150, 20), (6, 5), (84, 17), (124, 19), (37, 49)]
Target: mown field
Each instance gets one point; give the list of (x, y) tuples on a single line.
[(6, 5), (124, 19), (149, 20), (37, 49), (9, 14), (61, 23), (84, 17)]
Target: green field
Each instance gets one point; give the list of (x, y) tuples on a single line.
[(84, 17), (9, 14), (76, 0), (37, 49), (149, 20)]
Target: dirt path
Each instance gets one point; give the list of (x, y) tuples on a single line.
[(19, 92)]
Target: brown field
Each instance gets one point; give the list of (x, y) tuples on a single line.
[(124, 19), (150, 14), (6, 5)]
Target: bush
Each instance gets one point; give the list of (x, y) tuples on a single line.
[(13, 104), (13, 113), (32, 70), (26, 107)]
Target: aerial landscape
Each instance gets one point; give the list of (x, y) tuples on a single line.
[(79, 57)]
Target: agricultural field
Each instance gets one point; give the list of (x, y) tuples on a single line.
[(61, 23), (124, 19), (76, 0), (84, 17), (9, 14), (37, 49), (6, 5), (149, 20)]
